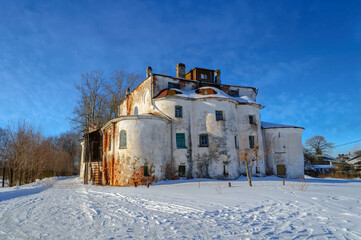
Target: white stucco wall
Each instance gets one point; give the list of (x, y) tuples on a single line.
[(285, 146), (245, 130), (147, 145), (222, 154), (82, 159)]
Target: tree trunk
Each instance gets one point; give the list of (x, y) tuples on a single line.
[(248, 174)]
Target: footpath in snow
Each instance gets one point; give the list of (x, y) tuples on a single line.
[(64, 208)]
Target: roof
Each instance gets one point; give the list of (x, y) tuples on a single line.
[(267, 125), (322, 166), (202, 93)]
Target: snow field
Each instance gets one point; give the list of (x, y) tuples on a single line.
[(64, 208)]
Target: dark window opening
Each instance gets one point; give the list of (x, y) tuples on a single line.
[(234, 93), (219, 115), (203, 140), (252, 119), (251, 141), (110, 142), (182, 171), (236, 141), (178, 111), (173, 85), (146, 171), (225, 173), (180, 140)]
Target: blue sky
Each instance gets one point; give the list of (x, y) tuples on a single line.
[(304, 56)]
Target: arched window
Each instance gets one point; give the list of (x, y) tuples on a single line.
[(123, 139), (136, 111), (145, 96)]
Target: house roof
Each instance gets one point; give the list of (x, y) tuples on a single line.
[(267, 125), (204, 92), (322, 166)]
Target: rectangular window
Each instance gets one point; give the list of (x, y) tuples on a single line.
[(251, 141), (204, 76), (146, 172), (110, 142), (252, 119), (219, 115), (203, 140), (234, 93), (178, 111), (182, 171), (180, 140), (236, 141), (173, 85)]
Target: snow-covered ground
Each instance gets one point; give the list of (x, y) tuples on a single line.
[(64, 208)]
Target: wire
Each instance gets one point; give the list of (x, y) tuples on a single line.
[(348, 143)]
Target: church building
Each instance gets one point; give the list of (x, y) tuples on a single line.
[(192, 126)]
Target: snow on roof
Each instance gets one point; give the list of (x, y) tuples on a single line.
[(354, 161), (214, 93), (322, 166), (276, 125)]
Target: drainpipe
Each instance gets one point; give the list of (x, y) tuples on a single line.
[(171, 124)]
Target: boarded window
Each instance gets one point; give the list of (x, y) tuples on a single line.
[(234, 93), (219, 115), (251, 141), (123, 139), (182, 171), (173, 85), (281, 170), (146, 171), (178, 111), (203, 140), (181, 140)]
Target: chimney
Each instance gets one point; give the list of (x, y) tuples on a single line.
[(181, 70), (149, 71), (217, 76)]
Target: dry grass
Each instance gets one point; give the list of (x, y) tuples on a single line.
[(301, 185)]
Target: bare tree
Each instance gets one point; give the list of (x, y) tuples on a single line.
[(250, 155), (318, 145), (92, 105), (99, 101), (120, 82)]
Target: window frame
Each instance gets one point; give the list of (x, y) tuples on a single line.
[(179, 168), (252, 119), (204, 144), (234, 93), (204, 76), (251, 141), (181, 136), (121, 137), (146, 171), (173, 85), (219, 113), (179, 113)]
